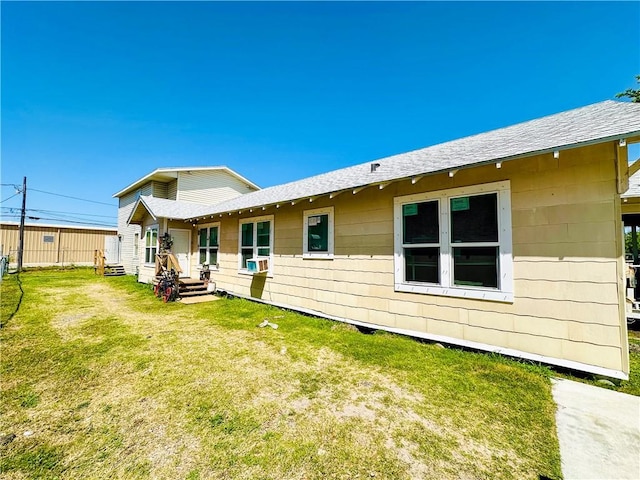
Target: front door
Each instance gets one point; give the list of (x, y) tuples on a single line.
[(112, 249), (180, 248)]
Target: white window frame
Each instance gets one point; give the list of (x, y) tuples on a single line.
[(328, 255), (255, 221), (136, 245), (446, 287), (156, 246), (208, 247)]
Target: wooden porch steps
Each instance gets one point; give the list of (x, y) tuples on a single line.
[(113, 270), (190, 287)]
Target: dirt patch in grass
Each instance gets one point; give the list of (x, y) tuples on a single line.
[(118, 385)]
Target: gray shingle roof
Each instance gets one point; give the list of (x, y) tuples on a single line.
[(163, 208), (602, 121)]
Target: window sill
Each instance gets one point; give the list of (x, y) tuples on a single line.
[(317, 256), (457, 292), (249, 274)]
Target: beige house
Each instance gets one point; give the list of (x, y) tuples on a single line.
[(188, 186), (508, 241), (50, 245)]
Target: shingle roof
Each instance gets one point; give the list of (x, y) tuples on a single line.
[(599, 122), (163, 208)]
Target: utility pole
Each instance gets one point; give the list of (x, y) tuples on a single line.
[(22, 214)]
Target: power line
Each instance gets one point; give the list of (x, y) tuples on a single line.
[(59, 211), (72, 217), (64, 220), (74, 198), (61, 215), (9, 198)]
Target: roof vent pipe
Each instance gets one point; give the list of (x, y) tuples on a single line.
[(374, 167)]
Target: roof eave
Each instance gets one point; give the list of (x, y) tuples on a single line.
[(557, 148)]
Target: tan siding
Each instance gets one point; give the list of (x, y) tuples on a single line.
[(70, 245), (565, 215), (209, 187)]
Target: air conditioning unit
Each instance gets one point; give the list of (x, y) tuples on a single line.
[(258, 265)]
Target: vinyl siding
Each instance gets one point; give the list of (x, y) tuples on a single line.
[(567, 261), (146, 271), (159, 190), (209, 187), (127, 233), (172, 190)]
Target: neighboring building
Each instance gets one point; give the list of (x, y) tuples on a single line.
[(49, 245), (192, 185), (508, 241), (631, 208)]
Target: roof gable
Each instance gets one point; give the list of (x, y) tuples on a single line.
[(163, 208), (170, 173)]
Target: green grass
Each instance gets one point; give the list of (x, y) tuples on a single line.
[(632, 387), (115, 384)]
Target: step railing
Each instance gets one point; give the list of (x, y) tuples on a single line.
[(98, 262)]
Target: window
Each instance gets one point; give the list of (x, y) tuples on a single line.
[(455, 242), (136, 244), (208, 245), (150, 244), (256, 240), (318, 233)]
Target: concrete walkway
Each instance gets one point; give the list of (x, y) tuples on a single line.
[(598, 430)]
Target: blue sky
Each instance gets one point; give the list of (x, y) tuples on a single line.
[(96, 95)]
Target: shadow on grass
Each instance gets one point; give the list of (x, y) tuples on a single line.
[(11, 300)]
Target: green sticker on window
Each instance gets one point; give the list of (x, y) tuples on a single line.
[(459, 204), (410, 209)]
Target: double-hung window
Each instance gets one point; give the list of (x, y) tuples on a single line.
[(256, 240), (208, 245), (455, 242), (150, 244), (318, 233)]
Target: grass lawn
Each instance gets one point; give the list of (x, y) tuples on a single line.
[(112, 383)]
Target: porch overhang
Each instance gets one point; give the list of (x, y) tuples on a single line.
[(139, 212)]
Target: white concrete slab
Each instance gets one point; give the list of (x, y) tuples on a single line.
[(598, 430)]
